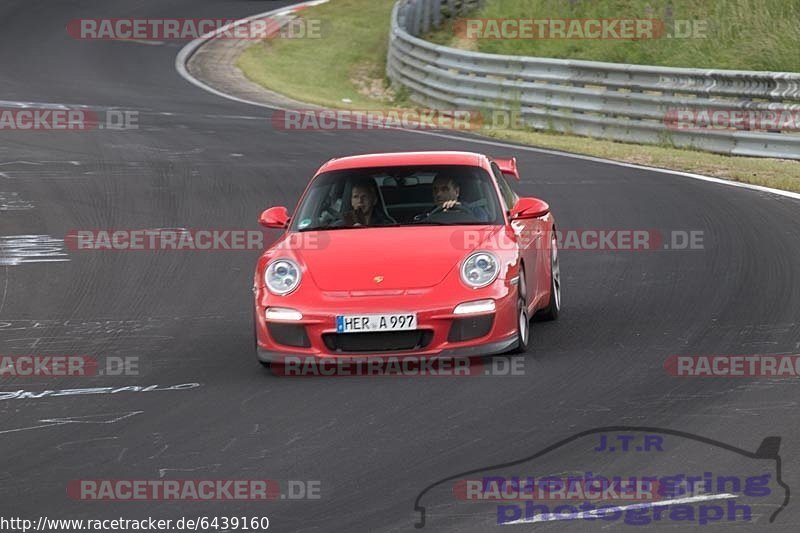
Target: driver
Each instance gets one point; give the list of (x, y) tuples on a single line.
[(364, 200), (445, 196)]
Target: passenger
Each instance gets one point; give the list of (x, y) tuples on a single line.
[(366, 210)]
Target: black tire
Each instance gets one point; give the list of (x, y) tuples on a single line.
[(523, 318), (554, 306)]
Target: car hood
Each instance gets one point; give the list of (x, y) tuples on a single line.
[(387, 258)]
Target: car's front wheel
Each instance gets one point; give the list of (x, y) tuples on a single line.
[(523, 319), (554, 305)]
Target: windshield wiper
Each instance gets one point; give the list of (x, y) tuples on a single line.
[(440, 223), (408, 225), (328, 228)]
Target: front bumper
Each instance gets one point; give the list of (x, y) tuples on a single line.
[(478, 350), (440, 332)]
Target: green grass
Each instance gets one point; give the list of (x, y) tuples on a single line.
[(739, 34), (352, 54), (352, 47)]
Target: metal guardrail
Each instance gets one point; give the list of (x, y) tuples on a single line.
[(633, 103)]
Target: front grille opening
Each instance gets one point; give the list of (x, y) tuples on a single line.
[(383, 341)]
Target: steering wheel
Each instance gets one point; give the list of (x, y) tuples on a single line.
[(439, 210), (457, 207)]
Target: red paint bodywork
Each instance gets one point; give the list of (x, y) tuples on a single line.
[(420, 266)]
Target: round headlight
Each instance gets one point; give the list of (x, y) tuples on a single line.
[(480, 269), (282, 276)]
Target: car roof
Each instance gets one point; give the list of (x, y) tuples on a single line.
[(403, 158)]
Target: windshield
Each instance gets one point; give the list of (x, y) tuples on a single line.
[(399, 196)]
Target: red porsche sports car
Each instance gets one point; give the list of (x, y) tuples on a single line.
[(420, 253)]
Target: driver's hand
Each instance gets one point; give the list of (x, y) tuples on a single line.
[(349, 218), (450, 204), (354, 218)]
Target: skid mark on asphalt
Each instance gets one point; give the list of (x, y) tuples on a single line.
[(60, 342), (84, 441), (160, 452), (11, 201), (5, 290), (157, 149), (115, 326), (162, 471), (89, 333), (141, 41), (40, 105), (22, 249), (68, 169)]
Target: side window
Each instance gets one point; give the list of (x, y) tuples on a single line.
[(509, 196)]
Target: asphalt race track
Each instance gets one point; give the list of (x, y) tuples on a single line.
[(201, 161)]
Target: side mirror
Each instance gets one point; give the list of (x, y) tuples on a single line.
[(274, 217), (529, 208)]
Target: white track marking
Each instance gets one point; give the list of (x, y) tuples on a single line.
[(23, 394), (51, 422)]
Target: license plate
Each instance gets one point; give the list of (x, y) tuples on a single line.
[(372, 323)]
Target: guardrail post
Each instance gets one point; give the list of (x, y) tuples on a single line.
[(426, 17), (402, 10), (437, 14), (416, 17), (452, 12)]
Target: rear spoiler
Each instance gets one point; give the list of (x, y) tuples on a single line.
[(508, 167)]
